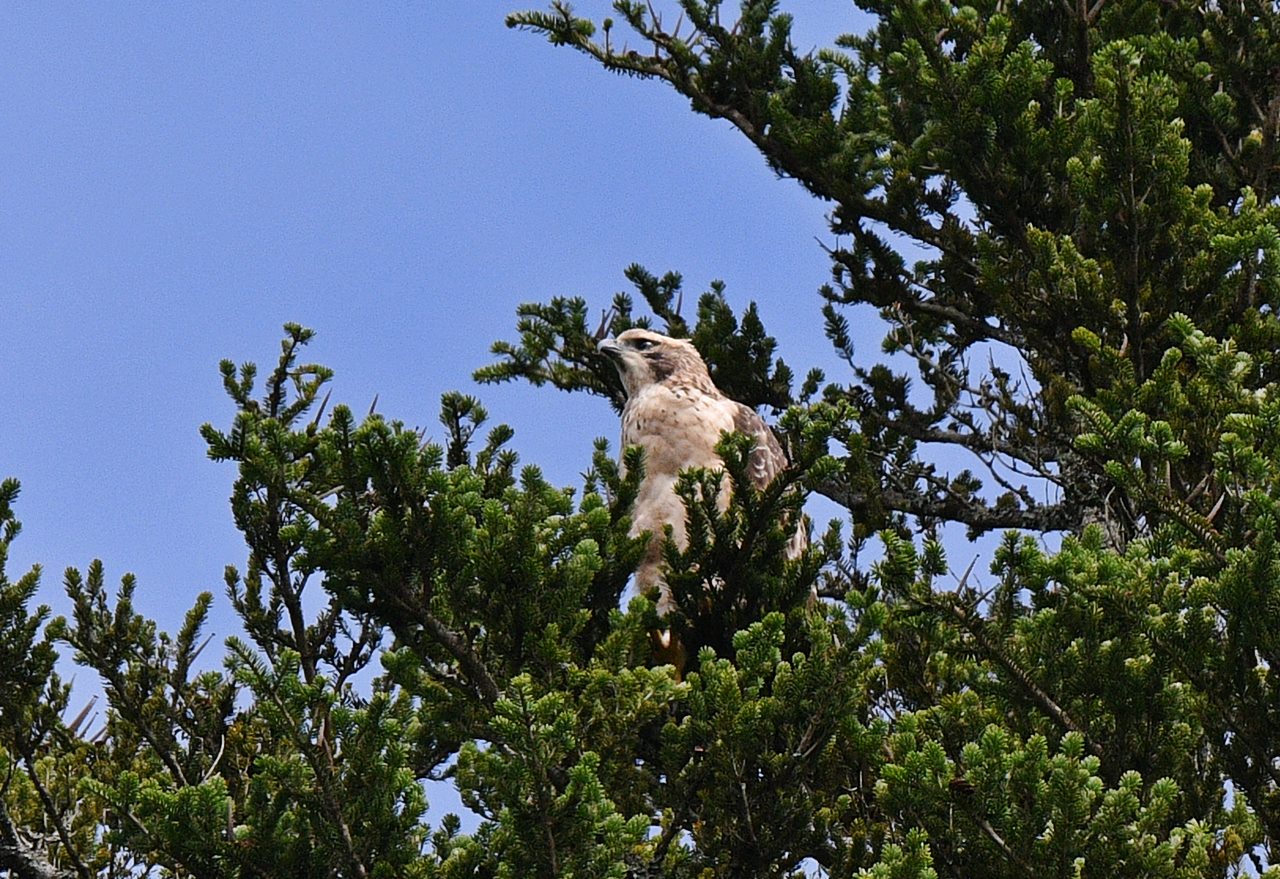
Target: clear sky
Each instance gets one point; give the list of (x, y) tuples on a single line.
[(177, 181)]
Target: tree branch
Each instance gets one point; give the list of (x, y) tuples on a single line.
[(977, 515), (1052, 708), (471, 664), (21, 860)]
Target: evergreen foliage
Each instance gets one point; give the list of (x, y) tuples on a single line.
[(1092, 189), (1103, 166)]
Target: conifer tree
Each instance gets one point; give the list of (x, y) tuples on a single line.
[(1091, 185)]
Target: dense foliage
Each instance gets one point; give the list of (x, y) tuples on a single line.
[(1090, 187)]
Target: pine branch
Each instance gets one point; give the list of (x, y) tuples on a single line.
[(1005, 850), (471, 664), (973, 627), (322, 769), (979, 443)]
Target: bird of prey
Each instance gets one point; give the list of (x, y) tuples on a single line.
[(677, 415)]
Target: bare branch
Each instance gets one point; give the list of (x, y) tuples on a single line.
[(977, 515)]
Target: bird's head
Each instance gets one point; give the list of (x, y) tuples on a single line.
[(643, 357)]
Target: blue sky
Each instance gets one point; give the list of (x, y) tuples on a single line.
[(179, 181)]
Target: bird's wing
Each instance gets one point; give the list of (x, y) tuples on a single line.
[(767, 458), (766, 462)]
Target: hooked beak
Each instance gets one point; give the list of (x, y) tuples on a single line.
[(609, 347)]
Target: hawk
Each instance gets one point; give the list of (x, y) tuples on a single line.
[(677, 415)]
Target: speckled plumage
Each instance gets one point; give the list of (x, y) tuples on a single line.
[(677, 415)]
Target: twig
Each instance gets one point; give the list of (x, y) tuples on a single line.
[(213, 767), (1009, 853)]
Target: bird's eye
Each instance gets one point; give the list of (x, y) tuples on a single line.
[(643, 344)]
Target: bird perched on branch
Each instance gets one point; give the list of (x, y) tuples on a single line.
[(677, 415)]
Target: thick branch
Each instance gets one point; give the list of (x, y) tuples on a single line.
[(21, 860), (976, 326), (471, 664)]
